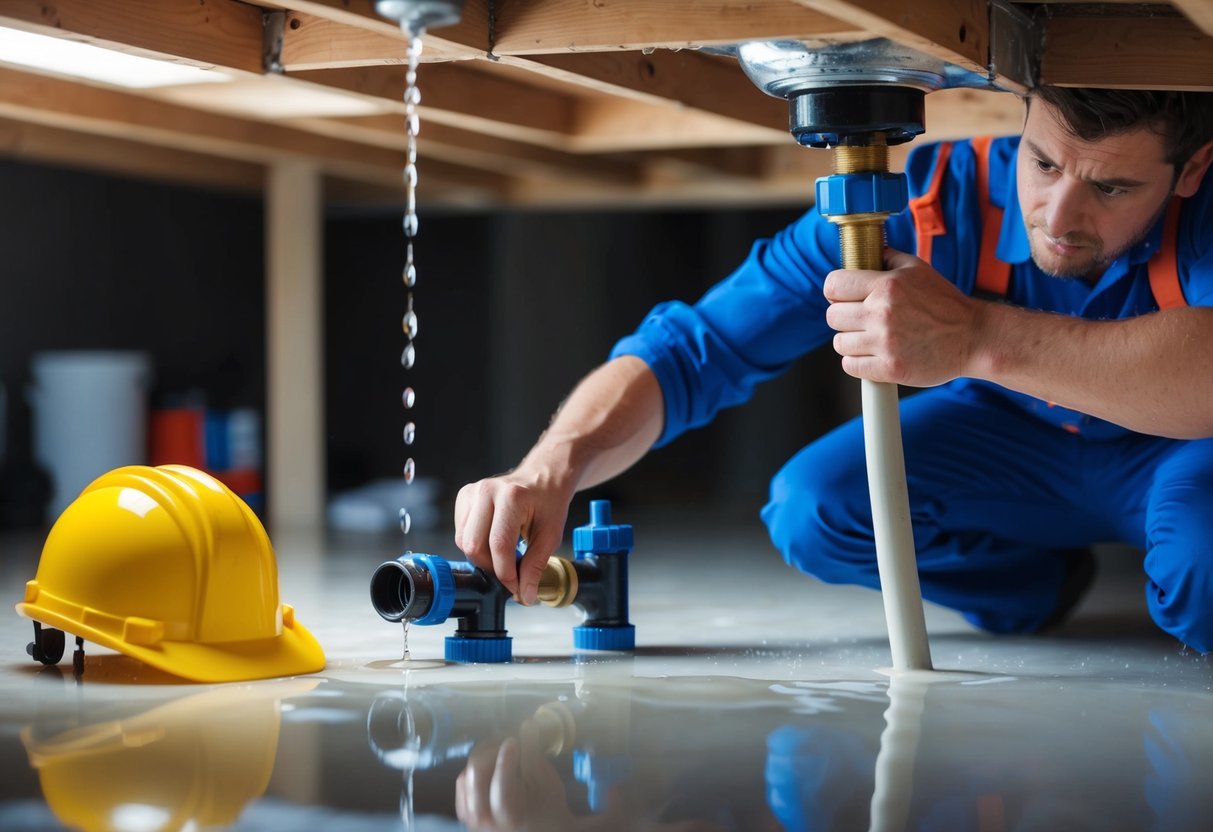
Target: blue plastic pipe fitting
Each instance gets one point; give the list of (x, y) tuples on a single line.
[(862, 192), (600, 552), (426, 589)]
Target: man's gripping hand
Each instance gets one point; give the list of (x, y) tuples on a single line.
[(492, 514), (908, 325)]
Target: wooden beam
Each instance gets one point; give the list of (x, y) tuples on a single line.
[(207, 33), (533, 28), (736, 163), (454, 93), (67, 105), (311, 42), (1200, 12), (462, 96), (529, 28), (1127, 52), (957, 31), (65, 148), (475, 150), (963, 113), (614, 125), (466, 40), (701, 82)]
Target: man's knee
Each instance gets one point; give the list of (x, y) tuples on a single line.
[(1183, 607), (821, 522)]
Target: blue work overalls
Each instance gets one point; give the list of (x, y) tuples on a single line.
[(999, 483)]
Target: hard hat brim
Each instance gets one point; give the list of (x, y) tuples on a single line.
[(293, 653)]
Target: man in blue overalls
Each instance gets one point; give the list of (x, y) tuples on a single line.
[(1058, 309)]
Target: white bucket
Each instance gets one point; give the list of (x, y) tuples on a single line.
[(90, 416)]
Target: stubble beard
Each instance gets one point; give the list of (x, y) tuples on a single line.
[(1095, 263)]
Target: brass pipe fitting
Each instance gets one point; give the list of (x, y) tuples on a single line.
[(558, 584), (861, 237)]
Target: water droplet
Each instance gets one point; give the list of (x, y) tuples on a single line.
[(406, 520), (410, 469), (408, 398), (410, 224), (410, 433), (409, 324), (410, 176), (408, 357), (410, 77), (413, 95), (410, 275), (413, 124)]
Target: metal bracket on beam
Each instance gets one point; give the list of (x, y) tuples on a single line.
[(1016, 47), (272, 35)]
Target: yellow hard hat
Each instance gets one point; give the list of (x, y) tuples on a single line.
[(168, 566), (194, 762)]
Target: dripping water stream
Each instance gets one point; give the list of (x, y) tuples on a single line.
[(408, 324)]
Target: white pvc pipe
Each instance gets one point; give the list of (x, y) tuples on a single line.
[(895, 557)]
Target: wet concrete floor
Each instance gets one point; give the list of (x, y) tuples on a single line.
[(755, 700)]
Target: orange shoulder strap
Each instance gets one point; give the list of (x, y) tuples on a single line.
[(993, 275), (1164, 265), (927, 210)]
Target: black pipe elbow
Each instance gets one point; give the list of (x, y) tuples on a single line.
[(426, 589)]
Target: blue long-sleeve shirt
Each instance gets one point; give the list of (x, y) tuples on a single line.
[(752, 325)]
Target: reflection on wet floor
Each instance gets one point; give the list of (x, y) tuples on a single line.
[(769, 715), (610, 751)]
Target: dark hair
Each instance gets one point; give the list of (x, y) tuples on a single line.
[(1183, 119)]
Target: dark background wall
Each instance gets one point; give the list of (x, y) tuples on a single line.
[(514, 307)]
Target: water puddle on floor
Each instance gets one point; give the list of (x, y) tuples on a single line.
[(605, 749)]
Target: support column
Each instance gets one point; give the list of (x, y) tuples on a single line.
[(294, 229)]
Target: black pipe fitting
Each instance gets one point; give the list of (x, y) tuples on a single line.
[(426, 589)]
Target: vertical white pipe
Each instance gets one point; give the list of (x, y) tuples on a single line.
[(891, 522), (294, 231)]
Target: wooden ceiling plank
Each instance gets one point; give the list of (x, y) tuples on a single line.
[(961, 113), (702, 82), (65, 148), (206, 33), (1128, 52), (476, 150), (55, 102), (604, 125), (1200, 12), (311, 42), (531, 28), (458, 90), (468, 39), (957, 31)]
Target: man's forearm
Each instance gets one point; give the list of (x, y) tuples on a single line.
[(1152, 374), (608, 422)]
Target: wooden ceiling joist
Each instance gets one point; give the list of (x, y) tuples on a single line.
[(207, 33), (1127, 51), (957, 31), (550, 99), (609, 25), (66, 148), (67, 105)]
